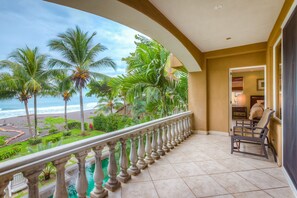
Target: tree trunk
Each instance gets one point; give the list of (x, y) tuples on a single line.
[(35, 114), (65, 116), (28, 118), (125, 108), (82, 119), (111, 106)]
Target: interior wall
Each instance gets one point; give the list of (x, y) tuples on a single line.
[(275, 131), (218, 84), (250, 85)]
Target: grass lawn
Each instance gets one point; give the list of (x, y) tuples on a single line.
[(75, 136)]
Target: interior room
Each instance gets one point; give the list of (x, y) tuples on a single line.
[(247, 94)]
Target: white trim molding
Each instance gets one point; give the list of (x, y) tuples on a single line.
[(294, 190)]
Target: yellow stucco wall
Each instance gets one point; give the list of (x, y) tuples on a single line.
[(218, 84)]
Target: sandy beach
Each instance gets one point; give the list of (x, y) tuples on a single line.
[(20, 123)]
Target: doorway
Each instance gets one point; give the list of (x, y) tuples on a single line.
[(247, 93)]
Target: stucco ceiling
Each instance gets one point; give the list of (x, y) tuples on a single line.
[(208, 23)]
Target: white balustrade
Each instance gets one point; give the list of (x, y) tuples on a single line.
[(161, 135), (112, 184), (81, 182), (133, 169), (155, 154), (141, 164), (165, 147), (148, 149), (98, 191), (123, 176), (61, 188)]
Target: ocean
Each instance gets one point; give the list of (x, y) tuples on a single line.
[(45, 105)]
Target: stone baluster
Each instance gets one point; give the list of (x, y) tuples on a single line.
[(155, 154), (173, 142), (112, 184), (185, 128), (123, 176), (32, 176), (160, 151), (165, 147), (133, 169), (181, 132), (81, 182), (176, 133), (169, 145), (189, 125), (148, 149), (98, 191), (4, 181), (141, 164), (61, 188)]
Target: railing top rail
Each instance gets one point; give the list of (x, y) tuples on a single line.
[(26, 162)]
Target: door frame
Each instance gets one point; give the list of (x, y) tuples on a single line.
[(230, 89)]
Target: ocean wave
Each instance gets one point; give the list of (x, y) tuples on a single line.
[(45, 110)]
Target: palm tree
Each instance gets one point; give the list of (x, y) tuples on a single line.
[(63, 87), (146, 74), (108, 100), (13, 85), (79, 56), (108, 104), (33, 64)]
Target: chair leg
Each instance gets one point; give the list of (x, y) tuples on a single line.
[(272, 149), (232, 144), (264, 150)]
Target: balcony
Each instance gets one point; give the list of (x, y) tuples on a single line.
[(164, 160)]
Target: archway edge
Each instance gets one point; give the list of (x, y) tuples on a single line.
[(151, 23)]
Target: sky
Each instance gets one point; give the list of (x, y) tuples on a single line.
[(35, 22)]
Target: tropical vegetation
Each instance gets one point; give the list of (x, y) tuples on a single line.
[(149, 89), (79, 56)]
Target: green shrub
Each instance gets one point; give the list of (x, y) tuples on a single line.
[(99, 122), (76, 125), (34, 141), (111, 122), (9, 152), (2, 140), (67, 133), (53, 131), (53, 138)]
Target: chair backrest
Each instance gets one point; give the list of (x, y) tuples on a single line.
[(263, 123)]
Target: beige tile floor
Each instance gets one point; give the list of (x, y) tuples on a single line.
[(202, 166)]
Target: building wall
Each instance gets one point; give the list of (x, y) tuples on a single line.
[(218, 86), (250, 85)]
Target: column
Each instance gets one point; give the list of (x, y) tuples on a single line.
[(155, 154), (160, 150), (123, 176), (4, 181), (61, 188), (169, 145), (173, 143), (81, 182), (176, 133), (98, 191), (133, 169), (141, 164), (148, 149), (165, 148), (112, 184), (32, 176)]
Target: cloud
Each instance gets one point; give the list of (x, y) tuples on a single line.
[(34, 23)]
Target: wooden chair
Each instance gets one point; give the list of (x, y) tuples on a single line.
[(253, 134)]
